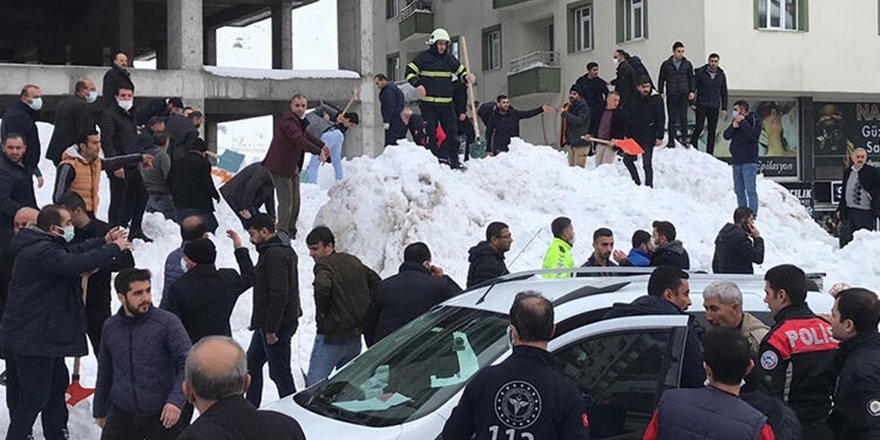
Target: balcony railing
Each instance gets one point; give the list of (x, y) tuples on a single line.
[(411, 8), (416, 18), (533, 60)]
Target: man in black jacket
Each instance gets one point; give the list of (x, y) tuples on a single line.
[(128, 197), (22, 118), (609, 124), (487, 257), (250, 189), (856, 411), (118, 76), (159, 107), (503, 124), (182, 132), (738, 245), (677, 76), (72, 116), (216, 380), (859, 204), (744, 134), (465, 134), (524, 395), (391, 101), (192, 187), (710, 86), (98, 284), (16, 185), (276, 309), (646, 127), (667, 251), (203, 298), (593, 88), (418, 286), (669, 294), (625, 83), (575, 124)]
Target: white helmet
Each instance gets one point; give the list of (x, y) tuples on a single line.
[(438, 35)]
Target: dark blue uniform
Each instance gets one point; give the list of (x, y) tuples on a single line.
[(856, 412), (523, 398)]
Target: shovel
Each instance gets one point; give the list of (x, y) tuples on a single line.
[(76, 393), (478, 147), (628, 145)]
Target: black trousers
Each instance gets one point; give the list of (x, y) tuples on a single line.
[(443, 114), (854, 220), (677, 107), (128, 199), (630, 161), (467, 135), (124, 426), (709, 115)]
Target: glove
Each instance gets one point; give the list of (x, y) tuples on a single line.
[(386, 126)]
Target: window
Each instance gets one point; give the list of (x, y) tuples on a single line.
[(632, 22), (392, 67), (580, 29), (784, 15), (492, 48), (455, 47), (392, 7), (621, 377)]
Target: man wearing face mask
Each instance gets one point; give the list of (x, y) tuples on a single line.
[(667, 251), (118, 76), (418, 286), (138, 393), (44, 320), (72, 116), (22, 118), (128, 197)]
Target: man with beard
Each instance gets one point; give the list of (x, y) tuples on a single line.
[(646, 127), (603, 246), (487, 257)]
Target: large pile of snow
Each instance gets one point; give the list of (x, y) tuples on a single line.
[(404, 196)]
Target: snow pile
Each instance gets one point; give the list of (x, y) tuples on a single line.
[(278, 74)]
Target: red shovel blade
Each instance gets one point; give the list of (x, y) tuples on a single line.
[(76, 393), (630, 146)]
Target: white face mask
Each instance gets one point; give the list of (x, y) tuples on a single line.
[(36, 104), (183, 265), (125, 105), (653, 245), (615, 61), (92, 96)]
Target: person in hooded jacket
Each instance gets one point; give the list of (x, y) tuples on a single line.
[(397, 300), (21, 118), (248, 191), (44, 320), (738, 245), (666, 249), (575, 125), (669, 294), (487, 257)]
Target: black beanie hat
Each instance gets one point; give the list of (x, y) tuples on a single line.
[(201, 251)]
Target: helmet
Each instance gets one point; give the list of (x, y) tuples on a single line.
[(437, 35)]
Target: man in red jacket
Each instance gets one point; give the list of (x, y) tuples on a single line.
[(284, 160)]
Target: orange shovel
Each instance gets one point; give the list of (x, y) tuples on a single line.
[(75, 392)]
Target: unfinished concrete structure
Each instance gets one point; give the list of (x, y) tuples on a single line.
[(52, 43)]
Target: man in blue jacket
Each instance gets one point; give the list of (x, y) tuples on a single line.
[(44, 319), (139, 391), (391, 101), (743, 134)]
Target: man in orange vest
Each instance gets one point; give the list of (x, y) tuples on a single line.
[(81, 165)]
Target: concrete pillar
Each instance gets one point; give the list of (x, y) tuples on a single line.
[(125, 25), (211, 47), (355, 29), (282, 35), (185, 48)]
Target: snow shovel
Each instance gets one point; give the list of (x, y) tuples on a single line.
[(478, 147), (354, 94), (628, 145), (77, 393)]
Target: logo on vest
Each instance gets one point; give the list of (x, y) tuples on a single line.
[(874, 408), (769, 360), (518, 404)]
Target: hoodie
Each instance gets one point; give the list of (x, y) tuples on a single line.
[(735, 252), (672, 254), (485, 264)]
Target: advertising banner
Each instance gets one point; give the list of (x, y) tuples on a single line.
[(841, 127)]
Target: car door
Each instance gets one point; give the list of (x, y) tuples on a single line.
[(622, 366)]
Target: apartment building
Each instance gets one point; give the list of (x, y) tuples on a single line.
[(805, 66)]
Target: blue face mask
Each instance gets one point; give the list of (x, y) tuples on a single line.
[(69, 232)]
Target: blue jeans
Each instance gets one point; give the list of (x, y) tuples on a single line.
[(278, 357), (744, 185), (326, 357), (42, 383), (333, 139)]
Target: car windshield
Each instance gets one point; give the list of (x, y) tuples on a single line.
[(413, 371)]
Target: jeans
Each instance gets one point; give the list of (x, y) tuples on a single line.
[(42, 383), (128, 199), (443, 114), (278, 357), (710, 115), (124, 426), (333, 139), (630, 162), (207, 217), (744, 185), (677, 108), (161, 203), (287, 193), (325, 357)]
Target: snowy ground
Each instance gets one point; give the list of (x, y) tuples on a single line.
[(405, 196)]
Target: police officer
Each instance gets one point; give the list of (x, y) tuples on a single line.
[(431, 74), (854, 319), (797, 355), (524, 397)]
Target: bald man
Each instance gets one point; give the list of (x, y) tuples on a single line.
[(216, 380), (72, 116), (118, 76), (860, 201)]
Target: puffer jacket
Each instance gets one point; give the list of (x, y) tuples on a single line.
[(485, 264), (678, 81), (276, 287), (672, 254), (735, 252)]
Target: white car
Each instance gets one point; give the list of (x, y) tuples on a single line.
[(406, 386)]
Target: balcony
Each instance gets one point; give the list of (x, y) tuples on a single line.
[(416, 18), (537, 72), (498, 4)]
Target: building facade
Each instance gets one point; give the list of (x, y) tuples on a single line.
[(801, 64)]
